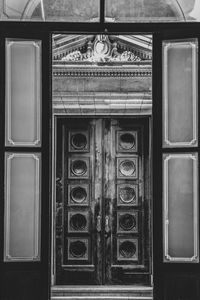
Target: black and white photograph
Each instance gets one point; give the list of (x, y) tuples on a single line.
[(99, 150)]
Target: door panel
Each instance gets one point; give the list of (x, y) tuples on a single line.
[(78, 241), (125, 200), (102, 227)]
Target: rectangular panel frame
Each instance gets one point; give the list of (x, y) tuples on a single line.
[(132, 159), (8, 134), (85, 214), (84, 175), (166, 256), (84, 202), (165, 46), (37, 221), (134, 214), (86, 241), (133, 240)]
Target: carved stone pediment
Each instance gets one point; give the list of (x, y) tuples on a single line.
[(102, 49)]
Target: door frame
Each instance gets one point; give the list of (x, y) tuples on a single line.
[(56, 117), (162, 283)]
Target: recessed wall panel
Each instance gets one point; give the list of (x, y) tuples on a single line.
[(180, 207), (23, 93), (180, 94), (22, 207)]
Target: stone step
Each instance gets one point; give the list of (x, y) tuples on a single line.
[(101, 292)]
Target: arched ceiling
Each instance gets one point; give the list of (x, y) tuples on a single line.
[(88, 10)]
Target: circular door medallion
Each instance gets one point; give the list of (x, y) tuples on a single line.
[(78, 194), (127, 249), (78, 167), (79, 141), (127, 168), (127, 141), (127, 222), (127, 194), (78, 222), (77, 249)]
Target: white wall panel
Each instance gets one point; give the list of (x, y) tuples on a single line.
[(23, 93), (22, 206)]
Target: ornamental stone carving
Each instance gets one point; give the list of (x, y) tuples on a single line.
[(102, 50)]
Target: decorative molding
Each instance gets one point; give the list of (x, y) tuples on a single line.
[(166, 221), (10, 140), (9, 157), (166, 137), (103, 58), (102, 49), (124, 56), (98, 72), (97, 103), (134, 256)]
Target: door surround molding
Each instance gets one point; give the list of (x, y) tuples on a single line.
[(55, 119)]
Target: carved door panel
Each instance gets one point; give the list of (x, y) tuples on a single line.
[(126, 202), (102, 234), (78, 225)]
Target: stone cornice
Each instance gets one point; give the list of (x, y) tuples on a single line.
[(102, 71), (147, 95), (102, 103)]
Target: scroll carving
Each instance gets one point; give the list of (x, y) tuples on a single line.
[(102, 50)]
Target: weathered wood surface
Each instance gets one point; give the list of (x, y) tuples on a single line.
[(103, 263)]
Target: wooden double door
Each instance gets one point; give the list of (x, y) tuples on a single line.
[(103, 201)]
